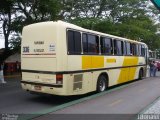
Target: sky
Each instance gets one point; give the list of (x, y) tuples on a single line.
[(1, 37), (1, 42)]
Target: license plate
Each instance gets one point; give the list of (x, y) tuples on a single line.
[(37, 87)]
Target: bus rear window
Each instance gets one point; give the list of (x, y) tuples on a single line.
[(74, 42)]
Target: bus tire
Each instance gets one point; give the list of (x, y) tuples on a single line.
[(101, 83), (140, 76)]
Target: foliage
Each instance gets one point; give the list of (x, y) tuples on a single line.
[(126, 18), (14, 14), (6, 11), (15, 43)]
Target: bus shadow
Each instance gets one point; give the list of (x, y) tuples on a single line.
[(125, 83), (58, 100)]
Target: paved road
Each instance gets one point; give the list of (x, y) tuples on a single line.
[(129, 100), (14, 100)]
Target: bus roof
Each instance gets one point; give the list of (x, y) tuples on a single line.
[(72, 26), (75, 27)]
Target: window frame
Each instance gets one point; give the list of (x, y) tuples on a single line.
[(73, 53)]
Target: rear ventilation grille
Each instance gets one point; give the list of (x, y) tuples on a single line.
[(77, 85)]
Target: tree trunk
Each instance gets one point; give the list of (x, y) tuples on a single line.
[(7, 29), (6, 42)]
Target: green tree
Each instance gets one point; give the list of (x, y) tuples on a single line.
[(15, 14), (125, 18), (6, 11), (37, 10), (140, 29)]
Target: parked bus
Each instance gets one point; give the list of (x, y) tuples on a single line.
[(64, 59)]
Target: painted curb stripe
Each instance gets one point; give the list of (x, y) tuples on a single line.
[(59, 107)]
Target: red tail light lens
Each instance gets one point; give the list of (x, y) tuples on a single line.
[(59, 79)]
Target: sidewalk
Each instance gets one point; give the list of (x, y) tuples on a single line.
[(153, 108), (151, 112), (11, 79)]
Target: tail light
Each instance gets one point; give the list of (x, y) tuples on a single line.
[(59, 79)]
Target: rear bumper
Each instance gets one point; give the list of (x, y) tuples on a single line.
[(45, 88), (42, 84)]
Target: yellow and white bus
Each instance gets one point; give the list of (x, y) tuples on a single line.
[(64, 59)]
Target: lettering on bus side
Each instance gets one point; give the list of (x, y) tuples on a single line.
[(38, 50), (38, 42)]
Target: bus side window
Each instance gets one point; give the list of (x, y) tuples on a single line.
[(115, 47), (131, 49), (74, 42), (97, 44), (90, 44), (140, 50), (77, 40), (85, 43), (134, 52), (118, 47), (106, 46), (128, 46), (93, 44), (143, 50), (124, 48), (137, 49)]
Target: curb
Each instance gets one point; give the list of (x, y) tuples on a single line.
[(59, 107), (149, 106)]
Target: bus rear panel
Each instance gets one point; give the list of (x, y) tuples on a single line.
[(39, 59)]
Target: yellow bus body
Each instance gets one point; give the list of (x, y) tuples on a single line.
[(44, 55)]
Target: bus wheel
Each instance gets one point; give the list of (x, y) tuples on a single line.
[(140, 75), (101, 83)]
